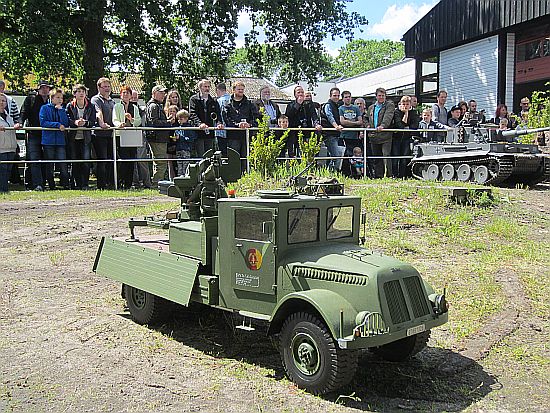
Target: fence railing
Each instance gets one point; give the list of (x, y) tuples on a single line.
[(248, 131)]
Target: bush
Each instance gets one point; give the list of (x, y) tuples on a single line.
[(265, 147)]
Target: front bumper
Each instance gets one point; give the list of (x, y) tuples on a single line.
[(381, 336)]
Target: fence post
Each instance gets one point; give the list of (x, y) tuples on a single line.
[(365, 149), (115, 172), (247, 150)]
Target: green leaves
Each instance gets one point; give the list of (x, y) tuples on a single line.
[(359, 56), (175, 43)]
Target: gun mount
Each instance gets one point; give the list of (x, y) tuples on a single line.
[(204, 184), (199, 190), (315, 186)]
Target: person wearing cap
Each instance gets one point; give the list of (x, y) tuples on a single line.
[(30, 112), (455, 112), (155, 116), (81, 114), (524, 104), (204, 112), (102, 139)]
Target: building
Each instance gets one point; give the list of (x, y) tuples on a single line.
[(397, 78), (493, 51)]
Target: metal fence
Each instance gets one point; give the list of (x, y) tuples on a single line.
[(248, 135)]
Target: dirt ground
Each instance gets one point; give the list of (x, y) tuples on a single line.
[(67, 343)]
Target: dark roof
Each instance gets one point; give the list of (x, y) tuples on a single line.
[(452, 22)]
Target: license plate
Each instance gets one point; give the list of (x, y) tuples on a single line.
[(415, 330)]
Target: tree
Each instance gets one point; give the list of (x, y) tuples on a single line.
[(360, 56), (68, 40), (278, 71)]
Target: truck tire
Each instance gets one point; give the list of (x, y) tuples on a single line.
[(146, 308), (403, 349), (311, 357)]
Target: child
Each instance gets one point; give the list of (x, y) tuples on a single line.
[(171, 112), (503, 124), (282, 123), (53, 115), (357, 161), (428, 123), (184, 141)]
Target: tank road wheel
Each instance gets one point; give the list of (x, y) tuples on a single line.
[(424, 172), (448, 172), (312, 358), (433, 172), (146, 308), (481, 174), (464, 172), (403, 349)]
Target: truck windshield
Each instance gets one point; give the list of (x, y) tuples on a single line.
[(303, 225), (339, 222)]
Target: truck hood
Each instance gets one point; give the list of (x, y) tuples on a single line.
[(349, 258)]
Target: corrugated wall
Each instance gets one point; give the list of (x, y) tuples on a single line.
[(471, 72)]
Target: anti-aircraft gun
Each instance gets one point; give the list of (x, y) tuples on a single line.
[(290, 263), (483, 155)]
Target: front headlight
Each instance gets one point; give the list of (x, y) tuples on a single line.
[(439, 303)]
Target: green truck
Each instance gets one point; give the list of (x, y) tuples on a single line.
[(290, 260)]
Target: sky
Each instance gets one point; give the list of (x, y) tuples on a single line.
[(388, 19)]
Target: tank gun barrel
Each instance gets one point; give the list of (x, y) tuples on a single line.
[(521, 132)]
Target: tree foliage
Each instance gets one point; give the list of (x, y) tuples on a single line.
[(273, 68), (69, 40), (359, 56)]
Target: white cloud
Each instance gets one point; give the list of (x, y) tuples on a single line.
[(398, 19), (334, 52), (245, 23)]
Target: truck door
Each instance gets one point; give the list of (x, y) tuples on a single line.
[(253, 250)]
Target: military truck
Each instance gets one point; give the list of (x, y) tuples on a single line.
[(290, 261)]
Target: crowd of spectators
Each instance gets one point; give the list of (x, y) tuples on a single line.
[(222, 121)]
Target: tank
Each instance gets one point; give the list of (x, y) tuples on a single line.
[(481, 155)]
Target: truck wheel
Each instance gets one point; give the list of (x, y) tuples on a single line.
[(403, 349), (146, 308), (312, 358)]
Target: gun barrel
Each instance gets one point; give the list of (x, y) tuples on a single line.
[(521, 132)]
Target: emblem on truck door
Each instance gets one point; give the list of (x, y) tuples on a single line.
[(253, 259)]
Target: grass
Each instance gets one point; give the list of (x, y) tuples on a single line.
[(460, 246), (71, 194), (153, 208)]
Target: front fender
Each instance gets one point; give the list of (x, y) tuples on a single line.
[(337, 313)]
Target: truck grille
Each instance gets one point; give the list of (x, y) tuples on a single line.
[(417, 297), (327, 275), (396, 302), (397, 305)]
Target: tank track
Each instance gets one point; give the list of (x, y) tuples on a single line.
[(500, 168), (545, 176)]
